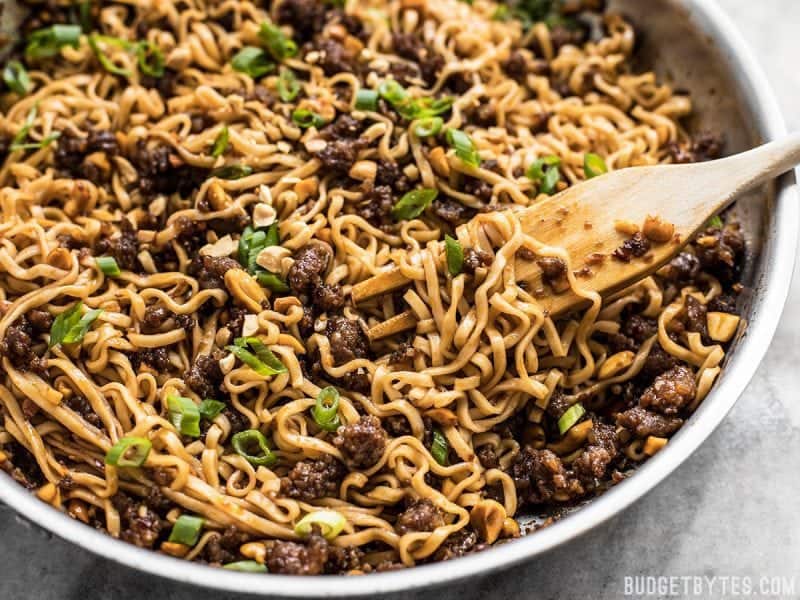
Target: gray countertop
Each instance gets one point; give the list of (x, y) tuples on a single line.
[(730, 511)]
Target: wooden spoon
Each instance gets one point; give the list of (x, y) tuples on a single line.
[(596, 217)]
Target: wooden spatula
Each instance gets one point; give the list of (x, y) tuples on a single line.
[(595, 217)]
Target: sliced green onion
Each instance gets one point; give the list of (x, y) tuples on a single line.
[(367, 99), (22, 134), (16, 77), (47, 42), (715, 222), (186, 530), (70, 327), (209, 409), (220, 143), (273, 236), (454, 254), (43, 143), (428, 127), (326, 409), (330, 523), (252, 61), (271, 281), (501, 13), (85, 15), (94, 43), (571, 416), (108, 265), (464, 147), (593, 165), (413, 203), (278, 44), (252, 242), (235, 171), (304, 118), (150, 58), (392, 92), (246, 566), (440, 448), (252, 445), (184, 414), (288, 86), (421, 108), (546, 178), (263, 362), (129, 452)]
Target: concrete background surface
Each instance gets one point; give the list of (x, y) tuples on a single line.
[(730, 511)]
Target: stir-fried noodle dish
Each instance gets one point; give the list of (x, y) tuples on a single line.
[(189, 192)]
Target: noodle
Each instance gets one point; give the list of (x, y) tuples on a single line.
[(486, 408)]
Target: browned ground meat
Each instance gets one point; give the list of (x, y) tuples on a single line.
[(404, 353), (554, 273), (397, 425), (162, 171), (310, 263), (224, 548), (452, 211), (210, 270), (204, 376), (658, 361), (474, 258), (421, 515), (642, 422), (328, 297), (22, 466), (696, 316), (291, 558), (72, 150), (376, 206), (639, 328), (636, 246), (540, 474), (17, 346), (487, 457), (706, 146), (558, 404), (81, 406), (722, 303), (458, 544), (390, 174), (155, 358), (670, 392), (306, 17), (339, 155), (362, 443), (335, 58), (683, 269), (347, 338), (41, 320), (344, 560), (516, 66), (479, 188), (720, 251), (410, 47), (344, 127), (139, 523), (310, 479), (124, 248), (603, 448)]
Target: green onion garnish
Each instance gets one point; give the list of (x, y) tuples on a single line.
[(593, 165), (271, 281), (715, 222), (261, 359), (252, 445), (186, 530), (220, 143), (546, 178), (570, 417), (94, 43), (440, 448), (43, 143), (288, 86), (304, 118), (428, 127), (329, 522), (326, 409), (246, 566), (501, 13), (278, 44), (22, 134), (184, 414), (392, 92), (234, 171), (413, 203), (85, 15), (47, 42), (421, 108), (16, 77), (464, 147), (273, 236), (70, 327), (367, 99), (251, 243), (108, 265), (209, 408), (252, 61), (150, 58), (454, 254), (129, 452)]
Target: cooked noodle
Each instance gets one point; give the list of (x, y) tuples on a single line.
[(485, 368)]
